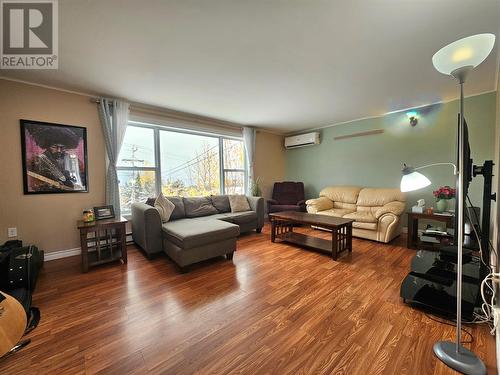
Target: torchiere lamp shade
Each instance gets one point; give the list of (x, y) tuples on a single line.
[(466, 52)]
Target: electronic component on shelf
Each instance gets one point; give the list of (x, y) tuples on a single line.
[(435, 231), (429, 239)]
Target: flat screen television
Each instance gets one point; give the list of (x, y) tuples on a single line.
[(467, 178), (467, 173)]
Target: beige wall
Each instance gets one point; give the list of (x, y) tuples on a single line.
[(269, 160), (48, 221)]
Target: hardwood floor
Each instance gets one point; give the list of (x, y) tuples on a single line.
[(278, 309)]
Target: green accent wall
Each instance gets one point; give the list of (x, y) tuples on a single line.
[(376, 160)]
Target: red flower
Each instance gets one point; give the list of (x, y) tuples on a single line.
[(444, 192)]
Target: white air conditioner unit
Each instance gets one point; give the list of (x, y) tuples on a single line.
[(302, 140)]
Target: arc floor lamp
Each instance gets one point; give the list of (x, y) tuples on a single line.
[(456, 59)]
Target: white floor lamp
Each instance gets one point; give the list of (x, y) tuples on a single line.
[(456, 59)]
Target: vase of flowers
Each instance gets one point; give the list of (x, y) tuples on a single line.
[(443, 195)]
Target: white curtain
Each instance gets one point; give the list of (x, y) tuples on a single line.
[(114, 119), (249, 141)]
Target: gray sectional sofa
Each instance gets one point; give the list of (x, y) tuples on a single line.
[(199, 228)]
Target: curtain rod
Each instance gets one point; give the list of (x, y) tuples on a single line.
[(173, 115)]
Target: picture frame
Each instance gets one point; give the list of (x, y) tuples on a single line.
[(54, 158), (104, 212)]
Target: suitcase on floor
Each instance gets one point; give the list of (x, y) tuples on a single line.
[(19, 267), (23, 296)]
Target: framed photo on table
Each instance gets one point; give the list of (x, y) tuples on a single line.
[(104, 212), (54, 158)]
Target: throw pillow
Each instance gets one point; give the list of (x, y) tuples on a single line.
[(221, 203), (199, 206), (179, 210), (238, 203), (164, 207)]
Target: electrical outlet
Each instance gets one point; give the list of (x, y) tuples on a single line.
[(11, 232)]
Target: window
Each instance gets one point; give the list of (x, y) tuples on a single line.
[(154, 159), (190, 164), (135, 186), (136, 167), (234, 166)]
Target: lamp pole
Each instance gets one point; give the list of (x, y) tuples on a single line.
[(458, 59), (456, 356), (460, 238)]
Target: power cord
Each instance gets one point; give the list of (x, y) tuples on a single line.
[(487, 307), (488, 310), (478, 239), (479, 225)]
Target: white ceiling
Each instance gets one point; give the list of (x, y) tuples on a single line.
[(280, 64)]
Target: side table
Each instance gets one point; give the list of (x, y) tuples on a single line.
[(413, 240), (102, 241)]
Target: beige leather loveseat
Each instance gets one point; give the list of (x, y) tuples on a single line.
[(376, 212)]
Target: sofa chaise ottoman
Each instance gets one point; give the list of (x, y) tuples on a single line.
[(188, 241)]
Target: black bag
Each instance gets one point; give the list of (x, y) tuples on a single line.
[(19, 267), (23, 296), (24, 266)]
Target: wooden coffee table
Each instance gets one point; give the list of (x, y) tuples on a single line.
[(282, 228)]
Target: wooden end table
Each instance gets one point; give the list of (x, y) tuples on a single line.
[(282, 228), (102, 241)]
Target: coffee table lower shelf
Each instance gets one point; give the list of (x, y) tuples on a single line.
[(310, 242)]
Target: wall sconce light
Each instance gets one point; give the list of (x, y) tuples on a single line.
[(412, 116)]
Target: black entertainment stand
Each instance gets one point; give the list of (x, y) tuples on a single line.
[(432, 281)]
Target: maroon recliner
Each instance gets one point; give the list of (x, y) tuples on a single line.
[(287, 196)]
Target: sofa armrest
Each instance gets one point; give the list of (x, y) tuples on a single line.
[(318, 204), (257, 205), (302, 205), (271, 202), (396, 208), (389, 226), (146, 228)]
